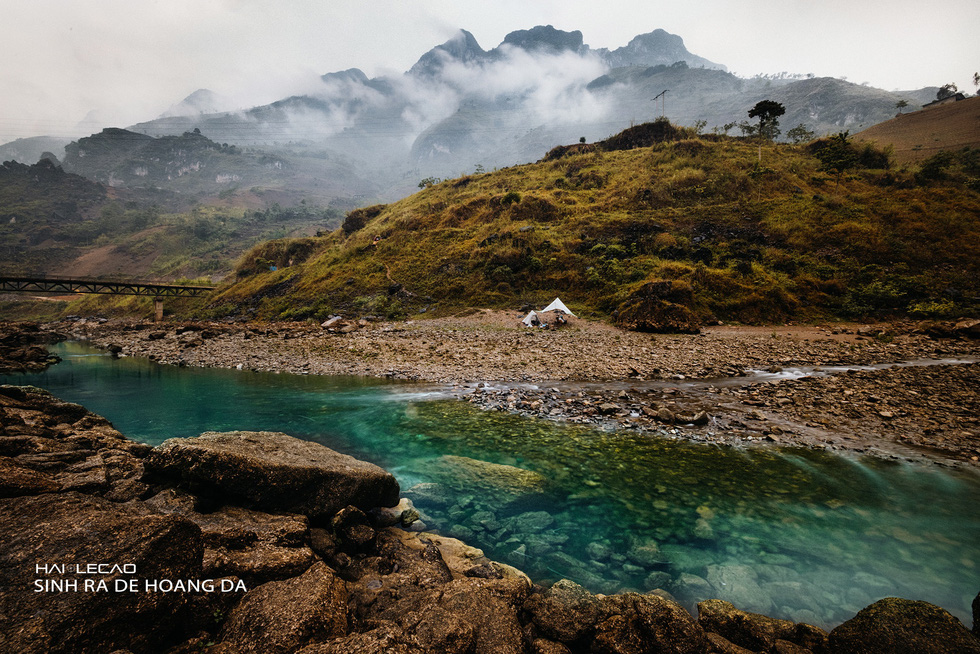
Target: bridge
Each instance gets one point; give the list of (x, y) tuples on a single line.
[(158, 290)]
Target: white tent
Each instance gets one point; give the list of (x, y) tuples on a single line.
[(558, 305), (530, 319)]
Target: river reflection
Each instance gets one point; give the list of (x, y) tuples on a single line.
[(798, 534)]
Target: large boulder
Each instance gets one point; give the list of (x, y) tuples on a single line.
[(52, 446), (281, 617), (660, 307), (415, 600), (894, 625), (20, 349), (641, 624), (566, 612), (254, 546), (754, 631), (477, 602), (272, 471), (48, 609)]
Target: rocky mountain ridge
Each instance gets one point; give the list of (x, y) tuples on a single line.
[(461, 106)]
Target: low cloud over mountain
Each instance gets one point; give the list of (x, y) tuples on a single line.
[(461, 106)]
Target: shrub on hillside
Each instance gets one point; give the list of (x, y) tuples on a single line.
[(281, 253), (661, 306), (358, 218), (643, 136), (560, 151)]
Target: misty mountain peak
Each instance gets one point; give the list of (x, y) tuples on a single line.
[(345, 82), (654, 48), (354, 75), (200, 102), (546, 38), (463, 47)]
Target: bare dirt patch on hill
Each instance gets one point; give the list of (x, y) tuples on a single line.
[(918, 135)]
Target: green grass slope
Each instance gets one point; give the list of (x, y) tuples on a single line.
[(663, 237)]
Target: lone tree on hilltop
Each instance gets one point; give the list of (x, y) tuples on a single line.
[(768, 113), (946, 91)]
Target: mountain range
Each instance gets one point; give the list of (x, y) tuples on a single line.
[(462, 108)]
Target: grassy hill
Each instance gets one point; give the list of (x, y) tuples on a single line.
[(916, 136), (42, 207), (55, 222), (676, 232), (193, 167)]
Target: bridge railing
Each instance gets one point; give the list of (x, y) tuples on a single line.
[(58, 284)]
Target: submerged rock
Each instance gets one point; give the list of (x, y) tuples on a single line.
[(274, 472), (430, 494), (500, 485), (739, 585)]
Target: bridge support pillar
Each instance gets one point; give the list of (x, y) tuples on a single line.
[(158, 309)]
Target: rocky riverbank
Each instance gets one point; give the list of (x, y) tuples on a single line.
[(259, 542), (21, 347), (739, 386)]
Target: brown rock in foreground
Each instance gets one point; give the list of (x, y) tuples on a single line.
[(20, 347), (273, 471), (352, 585), (756, 632), (280, 616), (49, 609), (895, 626)]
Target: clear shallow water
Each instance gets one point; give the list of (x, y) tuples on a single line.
[(793, 533)]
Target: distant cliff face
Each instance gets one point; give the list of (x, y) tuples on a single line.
[(119, 157), (657, 47), (545, 38)]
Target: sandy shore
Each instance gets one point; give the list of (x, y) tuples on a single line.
[(834, 387)]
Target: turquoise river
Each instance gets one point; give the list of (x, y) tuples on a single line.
[(799, 534)]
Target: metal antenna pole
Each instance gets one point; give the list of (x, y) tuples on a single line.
[(663, 103)]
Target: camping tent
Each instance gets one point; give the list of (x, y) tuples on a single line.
[(558, 305), (531, 319)]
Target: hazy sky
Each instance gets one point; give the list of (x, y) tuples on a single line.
[(129, 60)]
